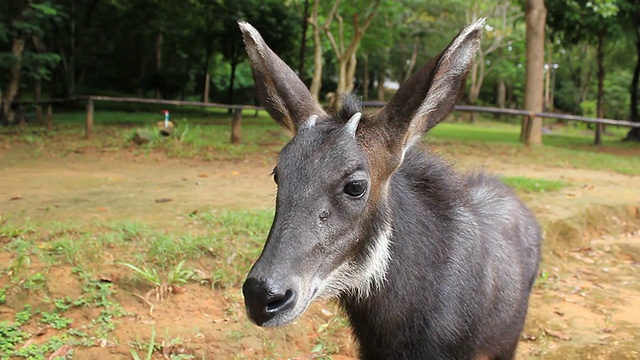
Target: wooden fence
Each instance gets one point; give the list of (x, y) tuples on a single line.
[(237, 111)]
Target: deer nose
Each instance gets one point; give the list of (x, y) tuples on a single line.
[(264, 300)]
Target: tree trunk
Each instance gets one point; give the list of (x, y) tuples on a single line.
[(547, 79), (414, 56), (382, 76), (232, 80), (303, 39), (535, 16), (207, 77), (477, 78), (71, 86), (351, 72), (366, 80), (159, 40), (13, 84), (600, 97), (346, 54), (316, 81), (501, 96), (634, 133), (37, 97)]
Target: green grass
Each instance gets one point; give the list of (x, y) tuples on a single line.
[(532, 185), (216, 251), (567, 147)]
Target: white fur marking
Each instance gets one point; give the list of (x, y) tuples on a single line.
[(360, 278), (311, 122)]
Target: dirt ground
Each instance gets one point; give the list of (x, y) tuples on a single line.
[(585, 306)]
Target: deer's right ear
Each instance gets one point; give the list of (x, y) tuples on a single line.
[(279, 89)]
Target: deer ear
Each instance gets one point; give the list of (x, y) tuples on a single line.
[(428, 96), (279, 89)]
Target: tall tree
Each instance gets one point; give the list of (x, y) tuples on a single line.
[(277, 22), (591, 21), (631, 9), (501, 17), (318, 29), (345, 50), (23, 21), (535, 19)]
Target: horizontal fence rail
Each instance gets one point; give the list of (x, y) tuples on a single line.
[(237, 111), (518, 112)]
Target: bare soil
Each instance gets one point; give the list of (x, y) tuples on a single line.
[(585, 306)]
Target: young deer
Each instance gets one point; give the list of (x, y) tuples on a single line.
[(426, 262)]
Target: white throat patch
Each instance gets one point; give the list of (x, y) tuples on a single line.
[(360, 278)]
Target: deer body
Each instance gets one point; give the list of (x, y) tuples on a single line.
[(470, 297), (426, 262)]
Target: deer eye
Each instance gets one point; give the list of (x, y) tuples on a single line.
[(355, 188), (275, 176)]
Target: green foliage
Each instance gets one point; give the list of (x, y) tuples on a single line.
[(55, 320), (10, 337), (3, 295), (150, 348), (35, 351), (30, 21), (588, 108)]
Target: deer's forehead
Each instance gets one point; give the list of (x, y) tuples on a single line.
[(321, 151)]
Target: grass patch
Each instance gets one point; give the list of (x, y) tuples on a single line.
[(532, 185), (217, 250)]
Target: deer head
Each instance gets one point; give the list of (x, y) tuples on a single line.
[(332, 226)]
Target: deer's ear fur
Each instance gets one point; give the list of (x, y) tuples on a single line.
[(279, 89), (429, 95)]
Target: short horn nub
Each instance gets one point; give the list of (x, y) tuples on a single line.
[(352, 125)]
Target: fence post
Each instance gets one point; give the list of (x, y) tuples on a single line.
[(49, 117), (89, 126), (236, 126)]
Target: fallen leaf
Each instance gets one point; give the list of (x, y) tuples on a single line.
[(104, 278), (163, 200), (203, 175), (61, 352), (41, 331), (557, 335), (235, 173), (17, 197)]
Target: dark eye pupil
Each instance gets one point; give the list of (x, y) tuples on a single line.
[(355, 188)]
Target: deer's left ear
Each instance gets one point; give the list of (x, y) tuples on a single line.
[(429, 95)]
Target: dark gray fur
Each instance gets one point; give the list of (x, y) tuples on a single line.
[(449, 275)]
